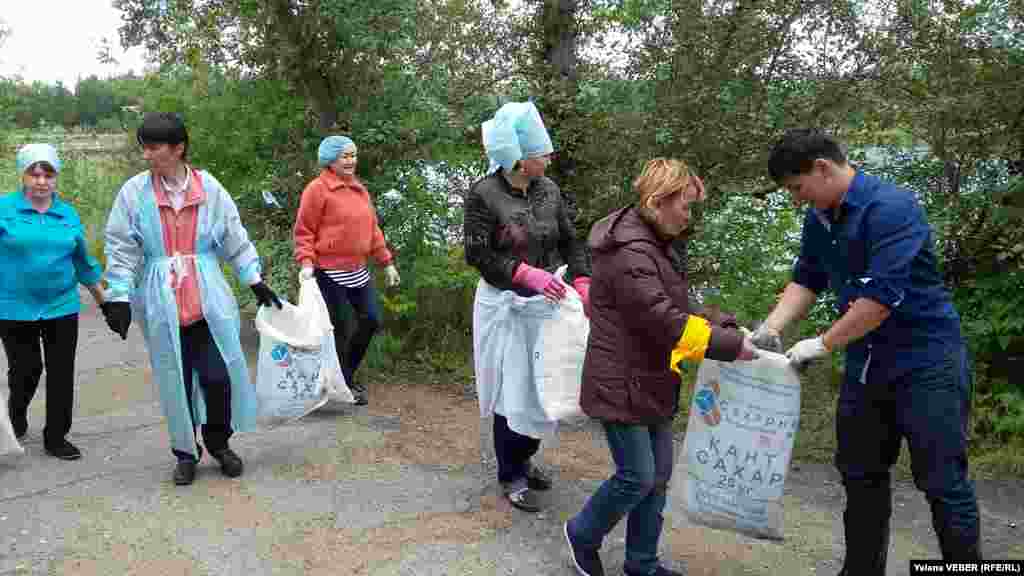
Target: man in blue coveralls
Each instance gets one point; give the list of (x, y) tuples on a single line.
[(907, 374)]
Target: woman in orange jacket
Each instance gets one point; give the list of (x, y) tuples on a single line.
[(336, 232)]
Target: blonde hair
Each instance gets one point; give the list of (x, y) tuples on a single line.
[(661, 178)]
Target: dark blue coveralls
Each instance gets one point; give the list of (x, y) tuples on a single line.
[(908, 378)]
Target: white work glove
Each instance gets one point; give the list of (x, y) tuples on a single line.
[(305, 274), (391, 277), (767, 338), (804, 351)]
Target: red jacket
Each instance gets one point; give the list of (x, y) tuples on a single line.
[(179, 230), (336, 227)]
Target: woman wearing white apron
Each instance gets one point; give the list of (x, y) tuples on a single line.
[(517, 231)]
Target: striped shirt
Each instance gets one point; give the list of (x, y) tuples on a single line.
[(349, 279)]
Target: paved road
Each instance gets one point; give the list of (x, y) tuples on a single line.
[(396, 488)]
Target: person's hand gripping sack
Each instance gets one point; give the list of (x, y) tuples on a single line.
[(582, 286), (748, 352), (264, 295), (805, 351), (540, 281), (767, 338)]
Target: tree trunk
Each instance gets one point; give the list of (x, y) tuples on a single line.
[(560, 38), (327, 117)]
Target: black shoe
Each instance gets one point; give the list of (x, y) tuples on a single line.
[(536, 478), (360, 394), (230, 464), (185, 472), (64, 450), (586, 560), (659, 571), (521, 497)]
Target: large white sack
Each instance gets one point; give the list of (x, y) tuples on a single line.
[(297, 369), (558, 357), (739, 440)]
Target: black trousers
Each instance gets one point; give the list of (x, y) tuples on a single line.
[(364, 302), (512, 450), (200, 355), (59, 337)]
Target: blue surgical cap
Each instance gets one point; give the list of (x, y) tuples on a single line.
[(331, 148), (29, 154), (515, 132)]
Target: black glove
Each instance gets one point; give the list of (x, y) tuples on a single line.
[(118, 316), (265, 296)]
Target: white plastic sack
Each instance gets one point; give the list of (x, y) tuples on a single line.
[(739, 440), (558, 357), (296, 358), (330, 372), (9, 445), (333, 378)]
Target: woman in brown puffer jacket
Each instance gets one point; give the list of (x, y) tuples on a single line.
[(641, 326)]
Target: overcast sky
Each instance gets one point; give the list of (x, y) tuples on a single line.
[(55, 40)]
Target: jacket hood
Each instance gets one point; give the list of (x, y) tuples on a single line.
[(619, 228)]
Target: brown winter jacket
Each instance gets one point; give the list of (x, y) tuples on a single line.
[(638, 311)]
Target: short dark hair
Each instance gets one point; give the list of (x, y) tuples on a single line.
[(797, 150), (163, 128)]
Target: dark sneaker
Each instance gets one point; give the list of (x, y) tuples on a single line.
[(185, 472), (659, 571), (360, 394), (521, 497), (586, 560), (536, 478), (230, 464), (64, 450)]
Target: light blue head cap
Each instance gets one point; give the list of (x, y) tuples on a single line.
[(29, 154), (332, 147), (516, 132)]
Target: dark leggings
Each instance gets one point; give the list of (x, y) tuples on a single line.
[(199, 354), (21, 340), (364, 301), (512, 450)]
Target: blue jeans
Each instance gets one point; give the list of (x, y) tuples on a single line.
[(643, 466), (364, 302), (929, 407)]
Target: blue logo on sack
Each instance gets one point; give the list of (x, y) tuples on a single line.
[(280, 355), (705, 400)]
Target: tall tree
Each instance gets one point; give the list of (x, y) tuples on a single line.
[(325, 48)]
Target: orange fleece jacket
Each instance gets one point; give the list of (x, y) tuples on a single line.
[(336, 227)]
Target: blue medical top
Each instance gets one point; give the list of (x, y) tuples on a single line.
[(43, 258)]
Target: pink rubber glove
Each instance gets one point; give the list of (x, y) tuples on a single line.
[(582, 285), (540, 281)]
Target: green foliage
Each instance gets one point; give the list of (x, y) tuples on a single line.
[(998, 416), (618, 82), (94, 105)]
